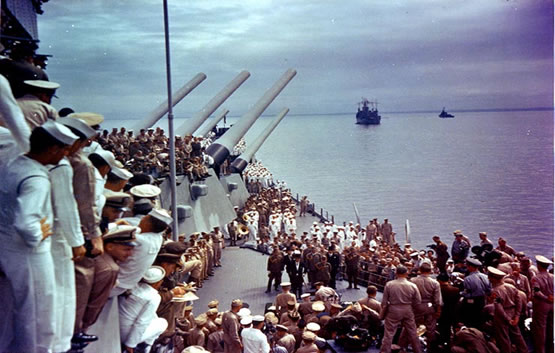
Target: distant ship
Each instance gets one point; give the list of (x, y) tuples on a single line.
[(368, 114), (444, 114)]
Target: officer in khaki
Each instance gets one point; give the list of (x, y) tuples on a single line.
[(542, 306), (427, 312), (308, 345), (399, 298), (507, 308), (283, 298)]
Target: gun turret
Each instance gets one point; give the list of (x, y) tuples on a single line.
[(190, 125), (220, 149), (210, 125), (241, 162), (162, 109)]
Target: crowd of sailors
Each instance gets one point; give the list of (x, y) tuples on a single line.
[(476, 297), (79, 231)]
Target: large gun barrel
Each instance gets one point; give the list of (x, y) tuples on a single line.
[(190, 125), (210, 125), (220, 149), (162, 109), (241, 162)]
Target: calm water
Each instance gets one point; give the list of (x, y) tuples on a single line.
[(478, 172)]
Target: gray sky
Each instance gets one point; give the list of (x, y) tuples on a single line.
[(410, 55)]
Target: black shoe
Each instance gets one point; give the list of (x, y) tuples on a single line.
[(83, 337), (78, 347), (357, 288), (267, 291)]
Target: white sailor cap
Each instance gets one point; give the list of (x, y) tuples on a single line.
[(89, 118), (59, 132), (145, 190), (107, 156), (122, 173), (258, 318), (285, 284), (42, 84), (543, 260), (247, 320), (154, 274), (244, 312), (161, 215), (305, 295), (78, 125)]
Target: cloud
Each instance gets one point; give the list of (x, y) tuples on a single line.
[(109, 55)]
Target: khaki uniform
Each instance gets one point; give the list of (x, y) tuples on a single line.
[(196, 337), (542, 317), (281, 302), (287, 342), (36, 112), (372, 303), (309, 348), (509, 308), (399, 298), (230, 325), (94, 281), (275, 269), (215, 342), (471, 340), (217, 243), (425, 312)]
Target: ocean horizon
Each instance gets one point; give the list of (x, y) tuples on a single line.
[(481, 171)]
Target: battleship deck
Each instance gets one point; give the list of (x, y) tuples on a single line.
[(243, 275)]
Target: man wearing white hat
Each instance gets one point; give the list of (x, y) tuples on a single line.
[(542, 306), (149, 242), (25, 258), (103, 162), (67, 241), (138, 321), (117, 178), (254, 341)]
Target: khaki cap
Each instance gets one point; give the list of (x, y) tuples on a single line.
[(492, 271)]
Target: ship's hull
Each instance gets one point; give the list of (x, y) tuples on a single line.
[(368, 119)]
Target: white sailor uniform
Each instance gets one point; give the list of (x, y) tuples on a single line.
[(67, 235), (26, 259), (132, 270), (137, 316)]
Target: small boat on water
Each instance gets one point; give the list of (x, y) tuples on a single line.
[(368, 113), (444, 114)]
